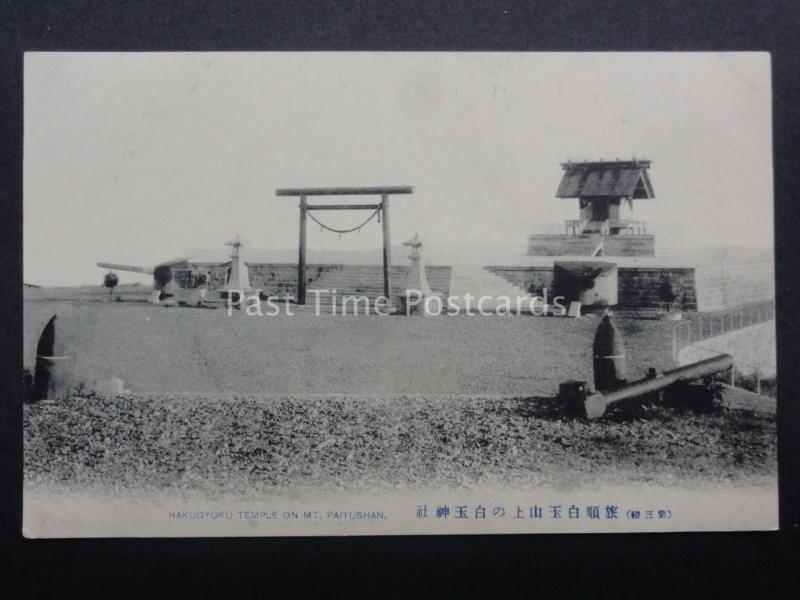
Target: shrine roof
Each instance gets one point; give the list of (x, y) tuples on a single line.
[(620, 179)]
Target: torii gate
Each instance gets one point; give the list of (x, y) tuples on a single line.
[(382, 207)]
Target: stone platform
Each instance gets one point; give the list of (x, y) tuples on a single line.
[(639, 279), (586, 245)]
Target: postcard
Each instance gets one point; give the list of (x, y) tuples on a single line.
[(388, 293)]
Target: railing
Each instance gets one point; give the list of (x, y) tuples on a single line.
[(754, 368), (627, 227), (705, 326), (576, 227)]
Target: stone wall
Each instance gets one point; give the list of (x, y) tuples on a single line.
[(561, 245), (571, 245), (273, 278), (280, 279), (638, 287), (629, 245)]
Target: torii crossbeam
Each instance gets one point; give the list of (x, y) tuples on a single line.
[(383, 191)]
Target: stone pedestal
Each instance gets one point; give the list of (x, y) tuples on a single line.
[(417, 280), (417, 289)]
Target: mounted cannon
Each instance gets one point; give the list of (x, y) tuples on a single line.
[(610, 385), (173, 279)]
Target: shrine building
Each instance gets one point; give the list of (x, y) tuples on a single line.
[(602, 189)]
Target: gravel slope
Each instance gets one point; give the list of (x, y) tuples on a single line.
[(333, 443)]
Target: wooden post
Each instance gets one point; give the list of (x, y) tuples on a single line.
[(387, 248), (301, 258)]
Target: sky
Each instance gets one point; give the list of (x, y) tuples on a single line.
[(136, 158)]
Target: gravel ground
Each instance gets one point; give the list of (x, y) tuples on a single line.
[(221, 446)]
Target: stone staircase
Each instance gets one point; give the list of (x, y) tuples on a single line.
[(478, 282), (367, 280)]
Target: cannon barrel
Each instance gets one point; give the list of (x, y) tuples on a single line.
[(595, 405), (131, 268), (691, 372)]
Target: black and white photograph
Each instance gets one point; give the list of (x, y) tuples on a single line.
[(393, 293)]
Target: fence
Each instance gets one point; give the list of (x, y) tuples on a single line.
[(704, 326), (742, 368), (689, 334)]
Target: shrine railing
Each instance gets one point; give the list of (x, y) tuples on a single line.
[(619, 227)]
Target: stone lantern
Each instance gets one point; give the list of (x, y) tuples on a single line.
[(238, 278), (417, 289), (416, 273)]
